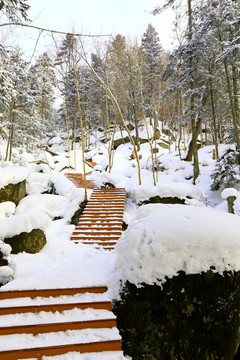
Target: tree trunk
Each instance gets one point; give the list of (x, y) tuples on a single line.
[(215, 137), (192, 144), (193, 122)]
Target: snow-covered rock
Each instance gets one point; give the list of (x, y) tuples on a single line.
[(164, 239), (52, 205), (12, 175), (175, 189), (25, 222)]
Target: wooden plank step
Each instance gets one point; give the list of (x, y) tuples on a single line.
[(96, 233), (102, 212), (60, 326), (101, 216), (93, 237), (99, 228), (103, 208), (55, 307), (100, 221), (50, 292), (102, 243), (111, 345)]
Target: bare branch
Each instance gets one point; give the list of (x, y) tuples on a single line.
[(51, 31)]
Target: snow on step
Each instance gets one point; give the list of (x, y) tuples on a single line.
[(28, 341), (105, 355), (101, 222)]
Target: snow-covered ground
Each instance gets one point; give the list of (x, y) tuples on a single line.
[(160, 240), (38, 210)]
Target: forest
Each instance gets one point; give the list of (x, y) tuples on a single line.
[(193, 90)]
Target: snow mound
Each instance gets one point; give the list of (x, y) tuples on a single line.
[(6, 271), (7, 208), (52, 205), (226, 193), (25, 222), (164, 239), (174, 189), (38, 183), (12, 175)]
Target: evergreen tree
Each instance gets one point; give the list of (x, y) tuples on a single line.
[(16, 10), (43, 85), (227, 170), (152, 50)]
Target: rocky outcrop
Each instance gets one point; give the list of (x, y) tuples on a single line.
[(13, 192), (31, 242)]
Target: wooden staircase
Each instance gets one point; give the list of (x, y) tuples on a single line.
[(101, 220), (78, 180), (51, 322)]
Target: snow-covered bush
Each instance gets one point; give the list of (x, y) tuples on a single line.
[(180, 267), (227, 170)]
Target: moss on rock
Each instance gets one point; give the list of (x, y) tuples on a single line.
[(190, 317), (13, 192), (78, 213), (31, 242), (163, 200)]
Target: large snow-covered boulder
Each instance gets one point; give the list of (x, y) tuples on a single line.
[(13, 183), (179, 266), (25, 231), (164, 239), (166, 192)]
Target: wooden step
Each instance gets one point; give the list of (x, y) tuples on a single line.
[(111, 345), (50, 292), (102, 243), (96, 233), (55, 307), (59, 326)]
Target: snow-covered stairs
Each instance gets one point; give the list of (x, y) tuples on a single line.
[(51, 322), (101, 220), (78, 180)]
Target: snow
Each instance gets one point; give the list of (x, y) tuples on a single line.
[(86, 265), (48, 317), (226, 193), (52, 205), (6, 273), (26, 341), (12, 174), (164, 239), (108, 355), (7, 208)]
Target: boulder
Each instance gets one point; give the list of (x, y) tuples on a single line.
[(31, 242), (194, 316), (13, 192)]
